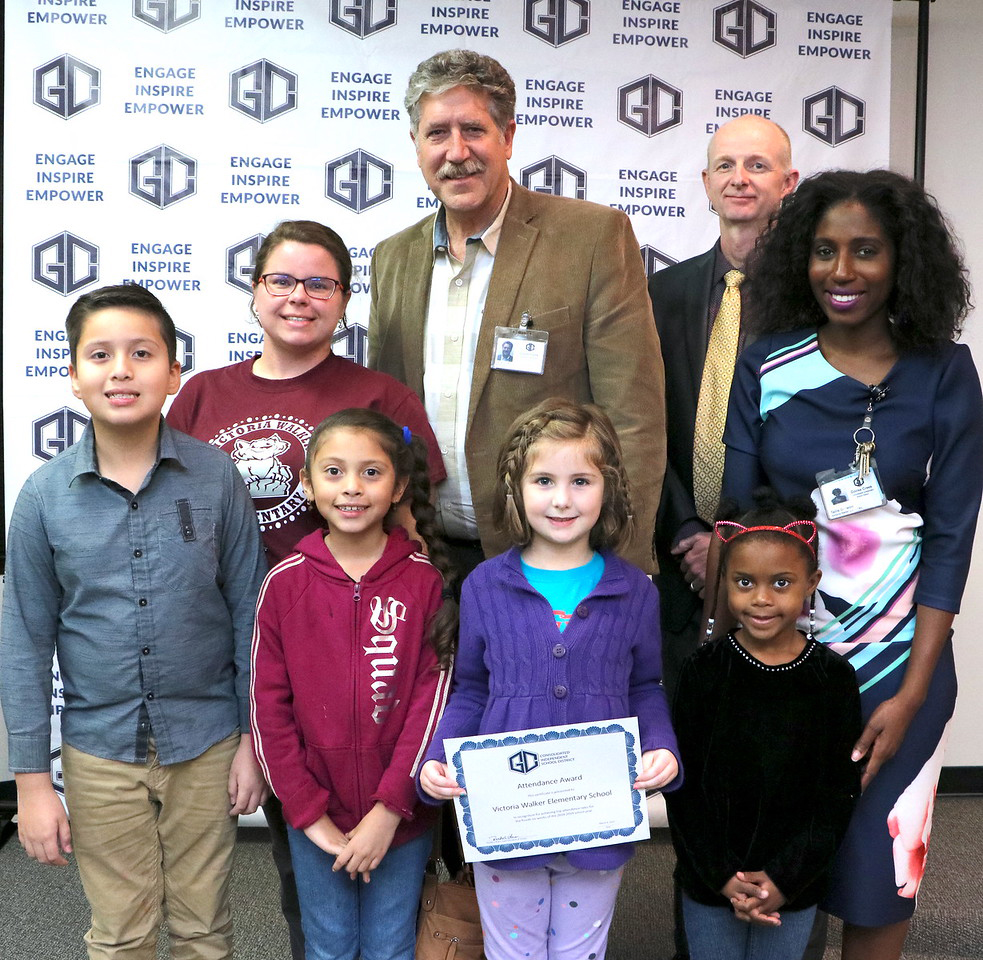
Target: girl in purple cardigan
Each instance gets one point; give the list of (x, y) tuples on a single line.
[(557, 630)]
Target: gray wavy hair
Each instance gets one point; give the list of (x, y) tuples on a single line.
[(462, 68)]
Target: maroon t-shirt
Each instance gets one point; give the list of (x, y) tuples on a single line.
[(265, 426)]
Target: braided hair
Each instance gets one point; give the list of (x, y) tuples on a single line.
[(563, 420), (408, 455)]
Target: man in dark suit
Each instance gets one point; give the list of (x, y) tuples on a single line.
[(748, 172)]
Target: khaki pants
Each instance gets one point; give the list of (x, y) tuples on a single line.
[(148, 839)]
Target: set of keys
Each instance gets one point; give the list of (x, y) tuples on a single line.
[(865, 448)]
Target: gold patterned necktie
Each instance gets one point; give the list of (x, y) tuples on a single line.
[(711, 410)]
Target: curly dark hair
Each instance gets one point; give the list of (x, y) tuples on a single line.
[(931, 294)]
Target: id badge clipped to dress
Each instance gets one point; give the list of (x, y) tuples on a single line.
[(520, 349), (857, 487), (846, 492)]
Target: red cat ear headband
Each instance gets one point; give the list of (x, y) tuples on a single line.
[(727, 530)]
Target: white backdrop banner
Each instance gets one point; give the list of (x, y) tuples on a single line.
[(157, 142)]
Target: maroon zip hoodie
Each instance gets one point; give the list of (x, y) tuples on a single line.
[(345, 692)]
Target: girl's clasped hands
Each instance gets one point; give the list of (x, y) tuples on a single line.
[(360, 850), (754, 897)]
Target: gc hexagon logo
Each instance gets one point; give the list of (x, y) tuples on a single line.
[(185, 349), (834, 116), (557, 22), (263, 90), (166, 15), (650, 105), (162, 176), (362, 18), (240, 261), (352, 342), (524, 761), (57, 777), (358, 180), (556, 176), (745, 27), (655, 260), (57, 431), (66, 86), (65, 263)]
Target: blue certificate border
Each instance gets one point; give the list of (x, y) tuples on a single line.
[(548, 844)]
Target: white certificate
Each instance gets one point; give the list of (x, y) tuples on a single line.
[(548, 790)]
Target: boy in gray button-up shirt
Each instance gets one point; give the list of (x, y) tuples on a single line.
[(135, 555)]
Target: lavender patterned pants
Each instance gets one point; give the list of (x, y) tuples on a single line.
[(556, 912)]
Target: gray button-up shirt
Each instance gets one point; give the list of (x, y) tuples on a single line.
[(148, 599)]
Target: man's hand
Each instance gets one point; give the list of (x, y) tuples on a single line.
[(692, 553), (42, 824)]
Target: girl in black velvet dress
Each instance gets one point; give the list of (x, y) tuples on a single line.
[(766, 720)]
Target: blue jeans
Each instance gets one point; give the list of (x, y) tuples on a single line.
[(344, 918), (714, 933)]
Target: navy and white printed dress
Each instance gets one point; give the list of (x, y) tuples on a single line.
[(793, 415)]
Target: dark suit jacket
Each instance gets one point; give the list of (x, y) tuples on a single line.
[(576, 268), (680, 300)]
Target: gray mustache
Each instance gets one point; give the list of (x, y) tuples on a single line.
[(454, 171)]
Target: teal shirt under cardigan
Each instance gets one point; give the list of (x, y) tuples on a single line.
[(151, 615), (564, 589)]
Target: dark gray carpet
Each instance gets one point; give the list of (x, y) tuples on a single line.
[(43, 912)]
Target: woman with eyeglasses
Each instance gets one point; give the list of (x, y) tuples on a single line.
[(263, 410)]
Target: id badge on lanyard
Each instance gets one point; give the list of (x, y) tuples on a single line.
[(520, 349), (857, 487)]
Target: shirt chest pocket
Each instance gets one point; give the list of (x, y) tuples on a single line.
[(188, 549)]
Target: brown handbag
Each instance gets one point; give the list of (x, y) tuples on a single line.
[(449, 927)]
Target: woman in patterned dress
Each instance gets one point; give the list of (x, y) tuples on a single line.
[(858, 292)]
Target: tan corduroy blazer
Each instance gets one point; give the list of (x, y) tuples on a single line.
[(575, 267)]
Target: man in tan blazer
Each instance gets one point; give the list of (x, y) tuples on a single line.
[(498, 255)]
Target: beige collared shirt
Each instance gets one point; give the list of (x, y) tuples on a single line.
[(457, 301)]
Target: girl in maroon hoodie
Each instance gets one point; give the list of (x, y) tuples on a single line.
[(350, 658)]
